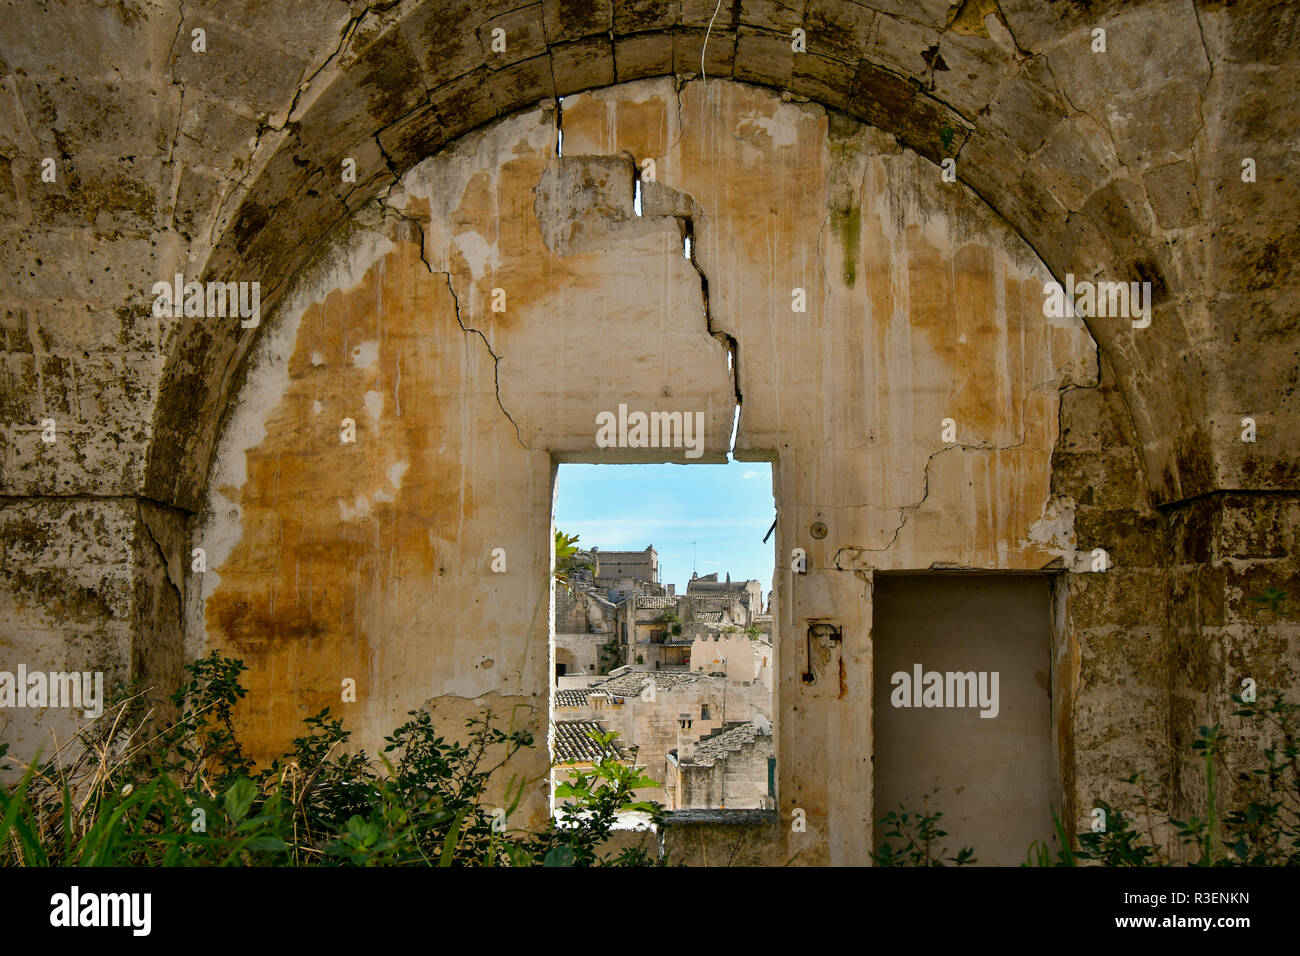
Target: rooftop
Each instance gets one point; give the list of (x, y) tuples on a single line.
[(632, 683), (575, 697), (723, 742), (573, 743)]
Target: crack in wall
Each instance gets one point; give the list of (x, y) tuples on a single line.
[(1209, 60), (726, 338), (910, 510), (164, 561), (288, 126), (172, 56), (455, 298), (346, 34)]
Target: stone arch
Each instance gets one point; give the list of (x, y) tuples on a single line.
[(224, 166), (401, 86), (919, 300)]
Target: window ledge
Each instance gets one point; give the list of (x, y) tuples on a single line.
[(675, 818)]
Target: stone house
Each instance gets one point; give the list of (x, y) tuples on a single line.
[(742, 601), (731, 767), (585, 628), (644, 708)]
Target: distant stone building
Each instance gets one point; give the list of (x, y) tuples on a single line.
[(731, 767), (706, 654), (644, 708), (651, 633), (618, 566), (584, 622), (657, 629), (717, 649), (741, 600)]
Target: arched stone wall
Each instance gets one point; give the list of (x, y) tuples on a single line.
[(1017, 108), (225, 165), (919, 305)]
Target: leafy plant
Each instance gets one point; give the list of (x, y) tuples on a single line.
[(120, 794), (1270, 599), (594, 802), (1263, 832), (674, 623), (567, 559), (918, 836), (610, 655)]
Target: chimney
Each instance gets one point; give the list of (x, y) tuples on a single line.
[(685, 739)]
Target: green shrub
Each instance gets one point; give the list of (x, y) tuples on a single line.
[(119, 795), (918, 836), (1264, 832)]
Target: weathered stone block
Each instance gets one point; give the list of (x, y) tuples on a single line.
[(465, 103), (1024, 112), (1157, 125), (446, 53), (638, 15), (689, 49), (824, 80), (967, 71), (389, 76), (1119, 210), (108, 119), (1171, 190), (523, 36), (238, 68), (522, 84), (1075, 160), (763, 57), (572, 19), (582, 64), (110, 270), (196, 200), (20, 392), (839, 30), (642, 55), (934, 13), (219, 133), (882, 98), (901, 45), (412, 137), (774, 15), (706, 13)]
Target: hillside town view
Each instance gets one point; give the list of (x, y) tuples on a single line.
[(684, 679)]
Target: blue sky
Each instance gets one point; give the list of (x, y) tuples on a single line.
[(724, 509)]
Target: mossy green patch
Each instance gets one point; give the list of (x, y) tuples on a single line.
[(847, 223)]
